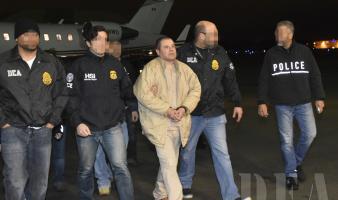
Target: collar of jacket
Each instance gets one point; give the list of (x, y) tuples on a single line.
[(194, 47), (40, 55), (162, 63), (97, 58), (289, 50)]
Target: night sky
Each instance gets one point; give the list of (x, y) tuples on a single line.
[(240, 23)]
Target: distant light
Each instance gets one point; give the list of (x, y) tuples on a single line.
[(46, 37), (6, 36), (140, 71), (70, 37), (150, 53), (58, 37)]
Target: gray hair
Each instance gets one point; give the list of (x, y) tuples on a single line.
[(199, 28), (288, 24)]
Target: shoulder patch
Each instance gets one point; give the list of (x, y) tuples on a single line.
[(70, 77)]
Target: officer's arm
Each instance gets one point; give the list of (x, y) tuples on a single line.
[(230, 83), (263, 82), (126, 89), (317, 88), (60, 94), (73, 107), (3, 120), (193, 97)]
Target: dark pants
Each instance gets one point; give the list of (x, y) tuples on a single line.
[(133, 129), (58, 157)]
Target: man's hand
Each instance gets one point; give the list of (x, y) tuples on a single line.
[(179, 114), (83, 130), (263, 110), (58, 136), (49, 125), (237, 114), (171, 113), (319, 106), (134, 116), (6, 126)]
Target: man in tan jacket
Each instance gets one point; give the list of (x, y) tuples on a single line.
[(167, 91)]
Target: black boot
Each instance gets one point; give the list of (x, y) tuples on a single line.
[(291, 183)]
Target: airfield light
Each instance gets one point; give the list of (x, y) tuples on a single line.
[(6, 36), (326, 44), (46, 37), (70, 37), (58, 37)]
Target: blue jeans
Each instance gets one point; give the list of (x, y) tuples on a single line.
[(113, 144), (103, 172), (58, 157), (214, 130), (294, 154), (26, 154)]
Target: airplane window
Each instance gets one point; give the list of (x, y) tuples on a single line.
[(6, 36), (70, 37), (58, 37), (46, 37)]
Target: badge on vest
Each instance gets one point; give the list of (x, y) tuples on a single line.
[(70, 77), (46, 78), (214, 65), (113, 74)]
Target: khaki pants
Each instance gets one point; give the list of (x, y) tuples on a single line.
[(168, 183)]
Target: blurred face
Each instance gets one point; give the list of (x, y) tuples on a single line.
[(210, 37), (283, 35), (98, 44), (167, 50), (115, 49), (29, 41)]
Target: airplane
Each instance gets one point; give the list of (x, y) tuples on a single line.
[(65, 40)]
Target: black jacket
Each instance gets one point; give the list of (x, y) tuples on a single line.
[(216, 74), (290, 77), (31, 97), (99, 88), (131, 69)]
